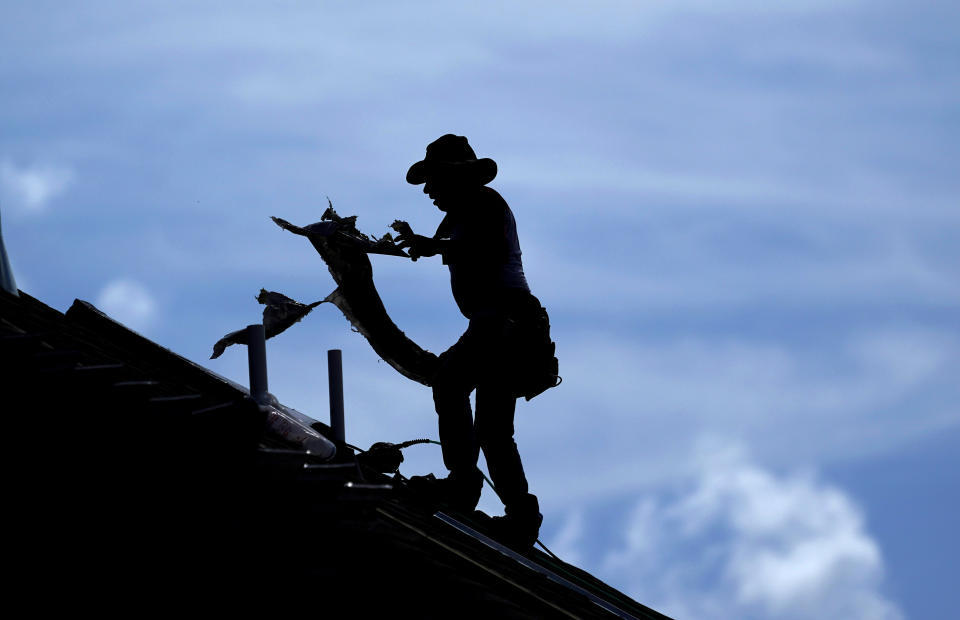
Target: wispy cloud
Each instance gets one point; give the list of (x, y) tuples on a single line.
[(31, 188), (566, 543), (744, 542), (129, 302)]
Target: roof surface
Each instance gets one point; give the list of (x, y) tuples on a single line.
[(145, 479)]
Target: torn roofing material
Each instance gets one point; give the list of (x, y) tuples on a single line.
[(344, 249), (343, 231), (345, 255)]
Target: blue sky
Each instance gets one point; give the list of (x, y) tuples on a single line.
[(742, 217)]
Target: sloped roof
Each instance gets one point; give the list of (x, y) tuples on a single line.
[(144, 477)]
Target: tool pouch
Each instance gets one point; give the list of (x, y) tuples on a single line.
[(535, 365)]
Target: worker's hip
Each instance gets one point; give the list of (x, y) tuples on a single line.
[(506, 344)]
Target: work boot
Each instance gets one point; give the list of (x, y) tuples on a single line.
[(518, 533), (519, 528), (459, 492)]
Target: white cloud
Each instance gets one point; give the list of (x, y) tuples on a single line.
[(743, 542), (128, 302), (31, 188)]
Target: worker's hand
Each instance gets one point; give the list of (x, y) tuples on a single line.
[(402, 228), (418, 244)]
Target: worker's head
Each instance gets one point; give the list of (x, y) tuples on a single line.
[(450, 169)]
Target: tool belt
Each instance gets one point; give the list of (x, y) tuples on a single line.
[(534, 365)]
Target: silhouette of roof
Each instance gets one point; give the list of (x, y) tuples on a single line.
[(142, 477)]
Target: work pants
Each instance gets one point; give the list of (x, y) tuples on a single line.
[(481, 361)]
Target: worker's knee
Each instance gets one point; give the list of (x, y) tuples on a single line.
[(450, 395)]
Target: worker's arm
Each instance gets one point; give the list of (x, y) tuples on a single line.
[(484, 239), (418, 244)]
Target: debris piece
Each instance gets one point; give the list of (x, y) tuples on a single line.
[(279, 313), (344, 230), (344, 249)]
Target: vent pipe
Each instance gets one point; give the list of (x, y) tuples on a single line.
[(289, 424), (257, 359), (335, 375)]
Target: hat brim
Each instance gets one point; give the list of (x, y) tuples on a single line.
[(479, 171)]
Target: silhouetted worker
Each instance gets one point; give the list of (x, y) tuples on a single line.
[(478, 241)]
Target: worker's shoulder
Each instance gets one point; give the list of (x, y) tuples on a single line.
[(491, 197), (490, 204)]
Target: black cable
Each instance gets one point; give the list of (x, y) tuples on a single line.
[(414, 442)]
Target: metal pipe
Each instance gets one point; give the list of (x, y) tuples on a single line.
[(335, 375), (257, 359)]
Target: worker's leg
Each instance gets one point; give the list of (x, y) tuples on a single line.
[(494, 421), (451, 396), (495, 431)]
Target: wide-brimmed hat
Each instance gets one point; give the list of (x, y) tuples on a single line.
[(451, 156)]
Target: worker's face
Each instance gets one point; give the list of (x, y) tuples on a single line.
[(444, 193)]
